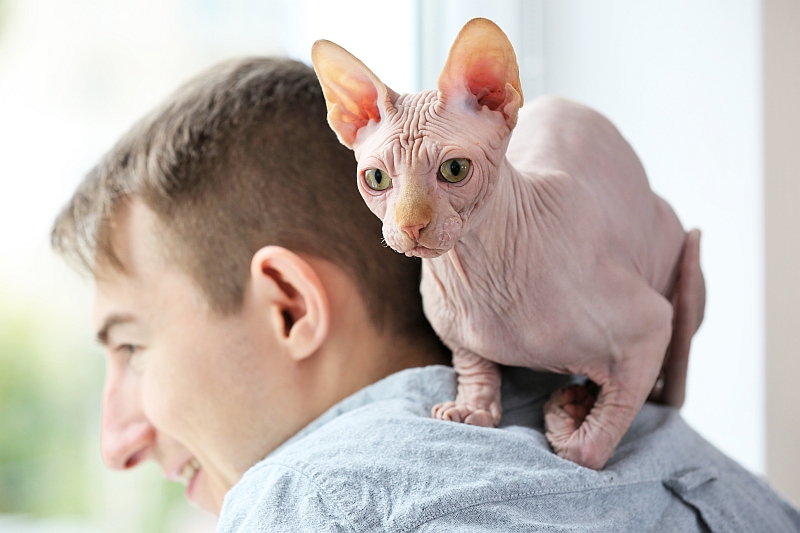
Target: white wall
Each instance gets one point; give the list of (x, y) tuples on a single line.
[(380, 34), (682, 81)]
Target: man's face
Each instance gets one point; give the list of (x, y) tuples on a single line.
[(205, 396)]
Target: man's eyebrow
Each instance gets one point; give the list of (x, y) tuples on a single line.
[(110, 322)]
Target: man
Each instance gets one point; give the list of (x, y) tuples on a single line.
[(267, 351)]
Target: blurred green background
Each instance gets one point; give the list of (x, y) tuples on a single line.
[(44, 415)]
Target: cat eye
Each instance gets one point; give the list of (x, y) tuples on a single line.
[(377, 179), (454, 170)]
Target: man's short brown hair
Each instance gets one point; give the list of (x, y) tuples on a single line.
[(240, 158)]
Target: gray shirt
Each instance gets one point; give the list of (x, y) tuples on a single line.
[(377, 462)]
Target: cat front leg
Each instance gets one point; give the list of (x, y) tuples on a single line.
[(478, 399)]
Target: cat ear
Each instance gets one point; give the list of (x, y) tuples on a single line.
[(482, 70), (353, 94)]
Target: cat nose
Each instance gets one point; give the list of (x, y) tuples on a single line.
[(413, 231)]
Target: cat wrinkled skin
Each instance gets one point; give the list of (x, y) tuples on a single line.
[(552, 253)]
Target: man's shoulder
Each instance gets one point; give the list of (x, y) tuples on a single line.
[(386, 465), (389, 466), (389, 451)]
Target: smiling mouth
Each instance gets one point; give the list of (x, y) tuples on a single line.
[(188, 471)]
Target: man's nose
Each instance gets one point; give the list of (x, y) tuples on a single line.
[(127, 437)]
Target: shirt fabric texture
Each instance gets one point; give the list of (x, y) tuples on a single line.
[(377, 461)]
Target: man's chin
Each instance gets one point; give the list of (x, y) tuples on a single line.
[(199, 494)]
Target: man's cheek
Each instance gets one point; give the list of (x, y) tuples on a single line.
[(163, 397)]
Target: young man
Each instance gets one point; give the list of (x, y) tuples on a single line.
[(266, 350)]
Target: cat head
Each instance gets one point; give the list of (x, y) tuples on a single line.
[(428, 161)]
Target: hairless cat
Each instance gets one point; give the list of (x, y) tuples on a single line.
[(546, 249)]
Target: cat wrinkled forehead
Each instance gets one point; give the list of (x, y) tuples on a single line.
[(401, 143), (415, 118), (420, 132)]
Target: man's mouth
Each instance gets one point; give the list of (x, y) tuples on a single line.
[(187, 472)]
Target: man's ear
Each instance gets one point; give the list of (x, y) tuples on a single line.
[(353, 94), (482, 70), (293, 297)]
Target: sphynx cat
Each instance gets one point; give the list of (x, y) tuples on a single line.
[(546, 250)]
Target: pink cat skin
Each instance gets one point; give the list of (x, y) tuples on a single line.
[(546, 250)]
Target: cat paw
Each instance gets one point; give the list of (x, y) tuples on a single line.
[(455, 412), (564, 412)]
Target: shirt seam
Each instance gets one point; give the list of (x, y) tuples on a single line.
[(524, 495), (330, 498)]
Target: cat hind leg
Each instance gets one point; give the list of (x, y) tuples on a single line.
[(587, 432), (565, 411)]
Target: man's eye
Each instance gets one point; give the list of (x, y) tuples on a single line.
[(127, 350), (131, 356)]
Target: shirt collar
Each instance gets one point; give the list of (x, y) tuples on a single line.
[(429, 384)]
